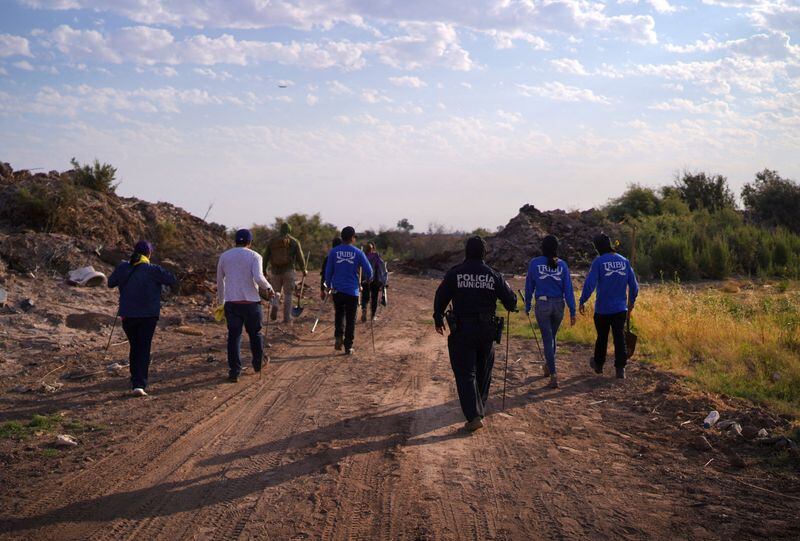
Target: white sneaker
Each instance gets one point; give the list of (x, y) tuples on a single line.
[(138, 391)]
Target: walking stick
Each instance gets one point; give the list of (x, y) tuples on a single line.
[(372, 332), (508, 342), (533, 331), (110, 336)]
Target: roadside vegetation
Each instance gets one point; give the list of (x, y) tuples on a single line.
[(737, 338), (693, 229)]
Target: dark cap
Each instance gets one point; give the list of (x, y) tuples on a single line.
[(244, 237), (475, 248), (348, 233), (143, 247)]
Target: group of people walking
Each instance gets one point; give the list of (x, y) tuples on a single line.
[(465, 302)]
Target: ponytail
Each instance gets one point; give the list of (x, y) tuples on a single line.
[(550, 251)]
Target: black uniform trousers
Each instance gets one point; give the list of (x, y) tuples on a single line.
[(345, 309), (471, 350), (616, 323)]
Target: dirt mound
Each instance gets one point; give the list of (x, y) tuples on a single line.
[(511, 249), (50, 223)]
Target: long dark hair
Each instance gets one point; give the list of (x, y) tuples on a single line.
[(550, 251), (141, 249)]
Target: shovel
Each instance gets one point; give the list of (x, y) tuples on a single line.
[(297, 310), (630, 339)]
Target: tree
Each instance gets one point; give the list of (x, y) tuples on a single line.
[(405, 225), (701, 191), (773, 201), (637, 201)]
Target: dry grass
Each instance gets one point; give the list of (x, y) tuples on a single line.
[(737, 338)]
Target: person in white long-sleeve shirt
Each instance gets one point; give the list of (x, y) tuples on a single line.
[(239, 277)]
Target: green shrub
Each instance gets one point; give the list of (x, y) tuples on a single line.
[(715, 260), (672, 256), (98, 177), (38, 206)]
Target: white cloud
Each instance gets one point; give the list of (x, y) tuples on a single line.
[(715, 107), (505, 39), (338, 88), (569, 65), (14, 46), (374, 96), (774, 45), (73, 101), (424, 45), (24, 65), (311, 100), (560, 92), (3, 71), (516, 18), (221, 75), (149, 46), (466, 85), (408, 81), (166, 71)]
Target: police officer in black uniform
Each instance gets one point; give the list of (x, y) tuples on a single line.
[(473, 287)]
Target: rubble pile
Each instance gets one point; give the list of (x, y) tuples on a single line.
[(511, 249), (48, 224)]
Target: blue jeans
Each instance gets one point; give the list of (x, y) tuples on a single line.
[(549, 314), (249, 316)]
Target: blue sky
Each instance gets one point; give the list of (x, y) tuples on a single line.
[(450, 112)]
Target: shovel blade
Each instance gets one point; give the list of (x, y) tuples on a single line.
[(630, 343), (296, 311)]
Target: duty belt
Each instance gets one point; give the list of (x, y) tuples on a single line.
[(475, 318)]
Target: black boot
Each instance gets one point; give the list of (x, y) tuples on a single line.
[(621, 373)]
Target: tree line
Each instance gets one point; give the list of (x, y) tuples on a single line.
[(694, 228)]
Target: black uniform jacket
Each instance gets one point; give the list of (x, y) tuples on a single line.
[(473, 287)]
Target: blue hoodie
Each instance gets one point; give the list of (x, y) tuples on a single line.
[(615, 281), (544, 281), (140, 288), (341, 270)]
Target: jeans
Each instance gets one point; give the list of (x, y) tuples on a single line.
[(284, 284), (371, 293), (615, 322), (247, 315), (140, 331), (345, 310), (471, 350), (549, 315)]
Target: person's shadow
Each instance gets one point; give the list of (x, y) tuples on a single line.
[(368, 433)]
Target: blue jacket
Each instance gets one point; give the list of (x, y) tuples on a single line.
[(544, 281), (341, 270), (140, 288), (615, 281)]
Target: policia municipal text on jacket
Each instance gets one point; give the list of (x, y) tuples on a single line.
[(473, 287)]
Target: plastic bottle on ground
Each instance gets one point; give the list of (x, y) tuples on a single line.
[(711, 419)]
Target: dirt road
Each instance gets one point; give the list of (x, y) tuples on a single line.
[(369, 447)]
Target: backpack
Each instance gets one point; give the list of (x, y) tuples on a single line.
[(280, 252)]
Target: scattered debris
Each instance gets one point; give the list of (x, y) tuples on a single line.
[(734, 459), (27, 304), (191, 331), (762, 434), (65, 440), (663, 386), (21, 389), (711, 419), (702, 444), (48, 388), (3, 297), (86, 277), (116, 368)]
